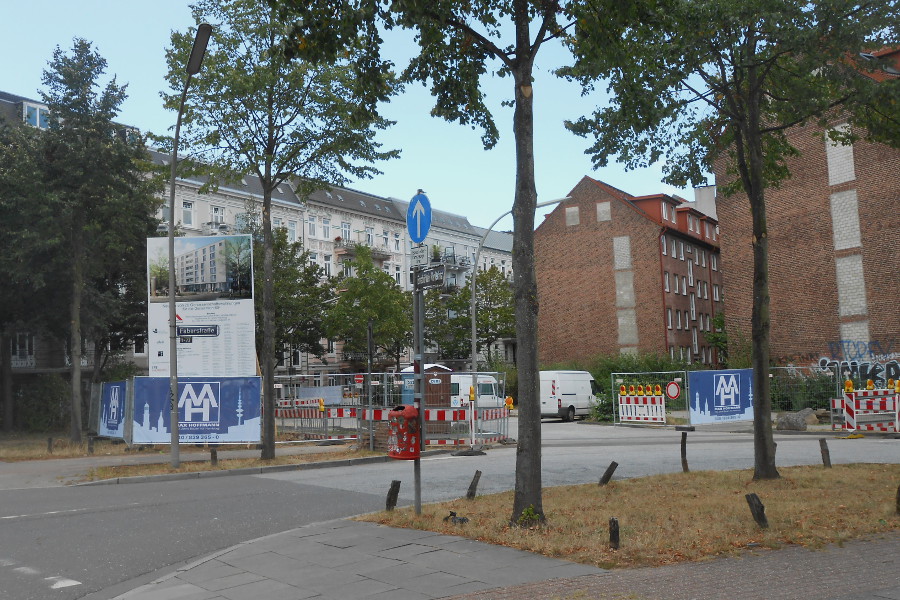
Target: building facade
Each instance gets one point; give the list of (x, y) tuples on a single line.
[(834, 249), (623, 274)]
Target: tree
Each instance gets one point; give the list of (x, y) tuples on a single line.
[(96, 174), (369, 296), (23, 202), (301, 293), (696, 81), (460, 43), (252, 111)]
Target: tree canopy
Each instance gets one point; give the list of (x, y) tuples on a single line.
[(251, 110), (699, 81)]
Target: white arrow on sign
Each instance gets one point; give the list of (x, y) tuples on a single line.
[(418, 214)]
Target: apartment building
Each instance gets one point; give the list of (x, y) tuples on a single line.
[(619, 273), (330, 223)]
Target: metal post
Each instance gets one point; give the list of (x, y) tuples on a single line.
[(419, 397)]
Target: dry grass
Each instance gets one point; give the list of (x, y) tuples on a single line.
[(680, 517), (316, 454)]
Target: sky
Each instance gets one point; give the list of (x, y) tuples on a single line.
[(447, 160)]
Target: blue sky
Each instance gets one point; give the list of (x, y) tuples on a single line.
[(447, 160)]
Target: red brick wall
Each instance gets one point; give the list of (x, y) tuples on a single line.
[(802, 277)]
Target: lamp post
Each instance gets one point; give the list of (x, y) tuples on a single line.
[(193, 67), (472, 300)]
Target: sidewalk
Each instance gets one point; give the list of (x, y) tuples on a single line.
[(350, 560)]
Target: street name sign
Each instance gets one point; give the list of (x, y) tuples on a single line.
[(430, 277)]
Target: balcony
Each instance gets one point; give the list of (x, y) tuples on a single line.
[(343, 247)]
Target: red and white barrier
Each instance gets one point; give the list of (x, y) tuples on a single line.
[(642, 409), (870, 410)]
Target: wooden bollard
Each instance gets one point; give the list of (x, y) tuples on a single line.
[(684, 463), (214, 457), (758, 510), (473, 487), (826, 455), (609, 473), (50, 445), (614, 533), (392, 495)]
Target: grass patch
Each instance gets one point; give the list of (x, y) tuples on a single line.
[(311, 454), (679, 517)]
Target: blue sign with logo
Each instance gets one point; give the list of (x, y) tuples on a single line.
[(210, 409), (112, 410), (721, 396), (418, 217)]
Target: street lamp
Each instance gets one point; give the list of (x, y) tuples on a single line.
[(193, 67), (472, 300)]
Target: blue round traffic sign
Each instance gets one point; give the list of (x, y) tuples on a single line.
[(418, 217)]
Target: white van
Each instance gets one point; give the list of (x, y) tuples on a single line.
[(567, 394), (488, 391)]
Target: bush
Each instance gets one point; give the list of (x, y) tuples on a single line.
[(42, 403)]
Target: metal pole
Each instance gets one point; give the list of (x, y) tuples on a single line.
[(419, 399), (204, 30)]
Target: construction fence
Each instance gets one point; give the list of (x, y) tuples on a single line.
[(356, 407)]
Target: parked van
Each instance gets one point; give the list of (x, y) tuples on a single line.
[(488, 391), (567, 394)]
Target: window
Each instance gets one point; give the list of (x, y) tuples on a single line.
[(327, 264), (292, 231), (217, 214), (370, 236), (312, 227), (666, 281), (664, 244), (37, 116), (572, 217), (715, 292), (345, 230), (187, 214), (714, 262), (669, 318), (326, 228)]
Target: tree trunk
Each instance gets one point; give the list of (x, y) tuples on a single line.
[(528, 452), (6, 378), (75, 332), (763, 439), (268, 358)]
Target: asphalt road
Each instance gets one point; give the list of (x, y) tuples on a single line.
[(97, 542)]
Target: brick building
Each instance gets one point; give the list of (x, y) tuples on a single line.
[(834, 250), (623, 274)]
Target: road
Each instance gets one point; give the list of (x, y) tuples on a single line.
[(96, 542)]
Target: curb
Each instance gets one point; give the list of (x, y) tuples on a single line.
[(250, 470)]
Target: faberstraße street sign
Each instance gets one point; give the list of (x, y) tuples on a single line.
[(430, 277)]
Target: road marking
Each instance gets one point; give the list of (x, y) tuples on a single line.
[(70, 511), (61, 582)]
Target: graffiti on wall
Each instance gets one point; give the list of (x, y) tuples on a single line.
[(850, 350), (862, 370)]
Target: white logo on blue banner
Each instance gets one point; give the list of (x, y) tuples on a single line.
[(210, 409), (112, 410), (721, 396)]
